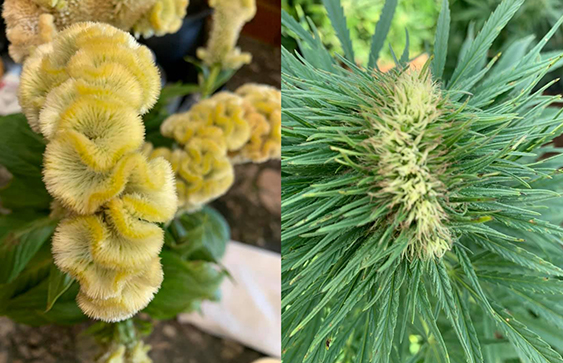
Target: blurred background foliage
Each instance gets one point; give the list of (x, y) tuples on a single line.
[(419, 17), (532, 21)]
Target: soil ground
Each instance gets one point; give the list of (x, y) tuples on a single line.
[(252, 208)]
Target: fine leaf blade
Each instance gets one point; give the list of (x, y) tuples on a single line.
[(441, 41), (381, 31), (480, 46), (338, 20)]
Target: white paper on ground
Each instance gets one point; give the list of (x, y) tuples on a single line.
[(250, 308), (9, 85)]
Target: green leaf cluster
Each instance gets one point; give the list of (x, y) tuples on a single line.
[(351, 292)]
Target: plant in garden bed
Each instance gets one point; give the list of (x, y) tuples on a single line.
[(93, 225), (419, 223)]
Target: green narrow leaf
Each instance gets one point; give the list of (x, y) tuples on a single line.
[(387, 321), (59, 282), (525, 341), (519, 256), (425, 309), (441, 41), (338, 20), (480, 46), (405, 57), (445, 294), (381, 31)]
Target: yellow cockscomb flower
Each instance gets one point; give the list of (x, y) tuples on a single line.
[(228, 19), (225, 111), (265, 124), (30, 23), (85, 92), (165, 17), (203, 171)]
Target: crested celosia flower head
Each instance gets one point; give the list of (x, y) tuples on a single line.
[(265, 124), (228, 19), (30, 23), (85, 92), (164, 17)]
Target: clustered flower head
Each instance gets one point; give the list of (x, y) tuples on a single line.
[(240, 124), (265, 124), (228, 19), (164, 17), (405, 139), (30, 23), (84, 92)]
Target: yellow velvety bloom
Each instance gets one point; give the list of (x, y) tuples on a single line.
[(165, 17), (224, 110), (228, 19), (85, 92), (30, 23), (203, 171), (265, 124)]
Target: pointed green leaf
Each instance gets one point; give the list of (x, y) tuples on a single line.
[(381, 31), (338, 20), (441, 41)]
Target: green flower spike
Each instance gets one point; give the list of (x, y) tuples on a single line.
[(419, 221)]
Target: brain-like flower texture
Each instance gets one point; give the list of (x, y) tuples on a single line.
[(216, 132), (30, 23), (265, 124), (228, 19), (85, 92)]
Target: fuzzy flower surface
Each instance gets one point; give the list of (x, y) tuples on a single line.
[(226, 129), (265, 124), (418, 206), (228, 19), (84, 92), (30, 23)]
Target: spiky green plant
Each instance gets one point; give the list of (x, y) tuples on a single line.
[(419, 219)]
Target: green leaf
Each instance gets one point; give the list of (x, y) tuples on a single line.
[(21, 152), (201, 235), (21, 149), (524, 340), (185, 284), (59, 283), (23, 192), (533, 284), (463, 328), (480, 46), (426, 315), (381, 31), (387, 319), (405, 56), (338, 19), (519, 255), (441, 41), (19, 246)]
